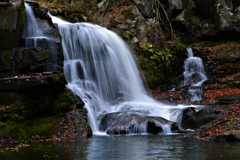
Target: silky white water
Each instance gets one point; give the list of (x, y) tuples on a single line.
[(100, 69), (194, 75)]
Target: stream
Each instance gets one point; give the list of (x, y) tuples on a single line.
[(138, 147)]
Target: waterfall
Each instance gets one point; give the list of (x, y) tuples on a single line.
[(100, 69), (194, 75), (35, 37)]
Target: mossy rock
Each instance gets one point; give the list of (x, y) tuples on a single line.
[(5, 60), (23, 129), (12, 20), (200, 16)]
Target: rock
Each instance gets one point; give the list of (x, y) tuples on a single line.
[(142, 31), (102, 21), (134, 40), (176, 5), (229, 54), (179, 22), (11, 25), (209, 17), (229, 100), (193, 119), (173, 7), (157, 38), (146, 7), (30, 82), (219, 61), (232, 135), (37, 95), (125, 35), (133, 122), (22, 61)]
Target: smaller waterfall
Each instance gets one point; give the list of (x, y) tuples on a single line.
[(31, 28), (194, 75), (35, 37)]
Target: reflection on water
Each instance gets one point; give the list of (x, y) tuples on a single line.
[(127, 147)]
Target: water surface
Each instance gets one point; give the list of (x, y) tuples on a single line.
[(137, 147)]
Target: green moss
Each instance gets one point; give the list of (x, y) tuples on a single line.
[(12, 37), (234, 119), (191, 41), (217, 98), (25, 129), (233, 84), (195, 14), (77, 6), (42, 55), (128, 14), (199, 113), (8, 42), (7, 97)]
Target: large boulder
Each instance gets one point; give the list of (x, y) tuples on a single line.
[(194, 118), (134, 122)]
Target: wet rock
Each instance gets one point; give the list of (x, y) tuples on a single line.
[(134, 122), (232, 135), (22, 61), (193, 119)]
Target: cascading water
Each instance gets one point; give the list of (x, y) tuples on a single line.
[(35, 37), (194, 75), (100, 69)]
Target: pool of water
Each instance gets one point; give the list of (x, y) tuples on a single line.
[(136, 147)]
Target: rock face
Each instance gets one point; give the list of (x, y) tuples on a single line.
[(220, 61), (209, 17), (22, 60), (37, 94), (11, 25)]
